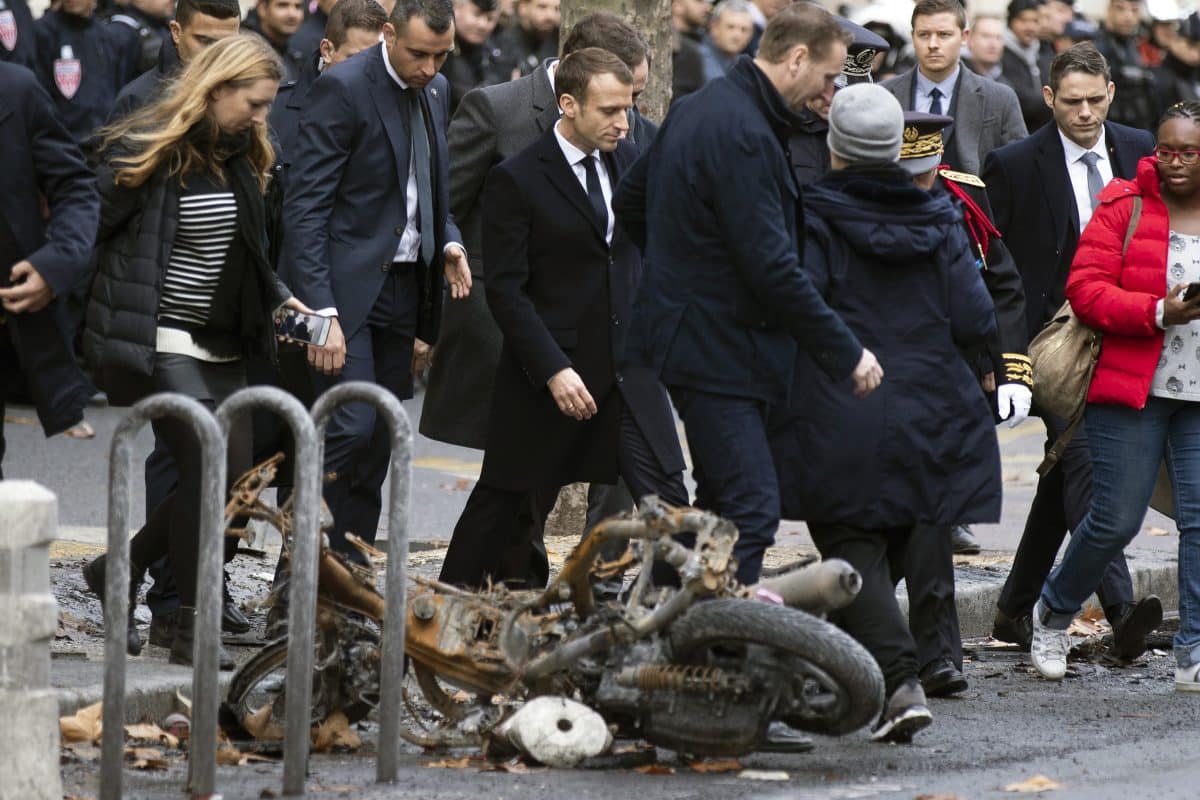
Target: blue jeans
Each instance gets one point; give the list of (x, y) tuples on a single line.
[(733, 468), (1127, 446)]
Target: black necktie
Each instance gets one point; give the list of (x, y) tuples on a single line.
[(421, 161), (935, 101), (596, 194)]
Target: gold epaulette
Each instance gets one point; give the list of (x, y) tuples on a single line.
[(962, 177)]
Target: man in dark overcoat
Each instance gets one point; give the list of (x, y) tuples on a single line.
[(723, 301), (41, 258), (560, 279)]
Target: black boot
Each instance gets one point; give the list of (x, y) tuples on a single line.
[(1131, 624), (185, 637), (232, 619), (93, 576)]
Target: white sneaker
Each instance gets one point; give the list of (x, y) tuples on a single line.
[(1049, 648), (1187, 679)]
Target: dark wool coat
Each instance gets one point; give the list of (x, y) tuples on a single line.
[(893, 262), (713, 206)]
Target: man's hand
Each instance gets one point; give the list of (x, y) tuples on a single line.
[(422, 358), (1014, 399), (458, 272), (571, 395), (1176, 310), (332, 357), (988, 382), (29, 291), (867, 375)]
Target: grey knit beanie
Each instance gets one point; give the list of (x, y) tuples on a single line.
[(866, 123)]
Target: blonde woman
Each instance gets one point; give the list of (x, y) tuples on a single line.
[(185, 288)]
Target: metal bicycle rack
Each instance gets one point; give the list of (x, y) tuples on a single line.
[(212, 431)]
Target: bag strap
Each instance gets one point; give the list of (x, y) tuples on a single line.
[(1060, 445), (1133, 223)]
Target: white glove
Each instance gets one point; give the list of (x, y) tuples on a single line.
[(1014, 399)]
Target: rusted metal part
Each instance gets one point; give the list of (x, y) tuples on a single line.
[(679, 677)]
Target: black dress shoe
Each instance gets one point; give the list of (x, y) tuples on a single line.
[(93, 576), (964, 541), (162, 628), (1017, 631), (1133, 625), (781, 738), (184, 642), (232, 619), (942, 679)]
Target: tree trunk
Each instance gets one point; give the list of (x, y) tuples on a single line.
[(653, 19)]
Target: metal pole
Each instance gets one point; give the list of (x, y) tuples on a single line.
[(392, 664), (302, 611), (203, 746)]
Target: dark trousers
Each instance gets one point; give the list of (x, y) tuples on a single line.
[(487, 528), (357, 444), (1059, 505), (874, 618), (733, 468), (928, 572)]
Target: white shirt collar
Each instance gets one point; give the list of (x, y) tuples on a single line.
[(387, 63), (1074, 152), (573, 154)]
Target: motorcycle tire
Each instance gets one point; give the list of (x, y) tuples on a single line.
[(270, 658), (824, 657)]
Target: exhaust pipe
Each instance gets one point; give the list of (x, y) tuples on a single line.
[(817, 588)]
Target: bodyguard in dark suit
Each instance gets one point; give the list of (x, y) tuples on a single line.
[(1042, 191), (41, 259), (560, 279), (371, 235), (723, 301)]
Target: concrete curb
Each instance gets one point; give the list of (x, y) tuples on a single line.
[(150, 687)]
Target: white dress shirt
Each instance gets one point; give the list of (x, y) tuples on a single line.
[(1077, 170), (925, 86), (575, 157)]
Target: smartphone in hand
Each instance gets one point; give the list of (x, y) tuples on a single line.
[(294, 326)]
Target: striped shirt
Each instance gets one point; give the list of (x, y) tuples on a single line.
[(207, 223)]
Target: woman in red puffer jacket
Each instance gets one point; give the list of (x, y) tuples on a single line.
[(1144, 400)]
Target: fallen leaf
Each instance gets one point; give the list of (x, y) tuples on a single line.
[(1156, 531), (655, 769), (1093, 614), (260, 726), (184, 705), (763, 775), (14, 419), (335, 732), (151, 733), (83, 751), (450, 763), (229, 756), (1038, 783), (717, 765), (83, 726), (145, 758)]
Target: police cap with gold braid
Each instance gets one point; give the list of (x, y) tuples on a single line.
[(921, 148), (860, 53)]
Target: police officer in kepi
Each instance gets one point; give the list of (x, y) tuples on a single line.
[(1004, 372), (809, 152)]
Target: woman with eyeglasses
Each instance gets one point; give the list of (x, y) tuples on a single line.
[(1144, 399)]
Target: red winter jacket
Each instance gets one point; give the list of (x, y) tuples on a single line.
[(1119, 297)]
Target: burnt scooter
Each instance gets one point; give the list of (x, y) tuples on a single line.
[(701, 668)]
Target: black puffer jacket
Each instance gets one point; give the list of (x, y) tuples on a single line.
[(137, 231)]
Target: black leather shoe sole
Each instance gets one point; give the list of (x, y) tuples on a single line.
[(944, 682), (233, 620), (1129, 636)]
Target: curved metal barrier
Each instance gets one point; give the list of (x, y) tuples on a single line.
[(391, 667)]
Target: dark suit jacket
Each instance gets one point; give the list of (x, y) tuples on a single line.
[(986, 115), (562, 297), (284, 118), (1034, 208), (41, 158), (345, 201), (1028, 88)]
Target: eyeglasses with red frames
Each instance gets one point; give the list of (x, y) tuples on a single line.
[(1186, 157)]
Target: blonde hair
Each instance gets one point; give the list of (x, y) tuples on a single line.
[(179, 129)]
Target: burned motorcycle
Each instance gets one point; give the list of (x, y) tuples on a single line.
[(702, 667)]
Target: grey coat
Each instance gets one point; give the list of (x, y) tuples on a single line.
[(986, 115)]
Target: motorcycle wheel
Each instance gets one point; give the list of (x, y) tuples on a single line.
[(261, 680), (837, 679)]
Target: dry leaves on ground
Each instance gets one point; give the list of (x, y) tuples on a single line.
[(260, 725), (83, 726), (718, 765), (1156, 531), (145, 758), (1038, 783), (230, 756), (151, 733), (335, 732), (450, 763), (655, 769)]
